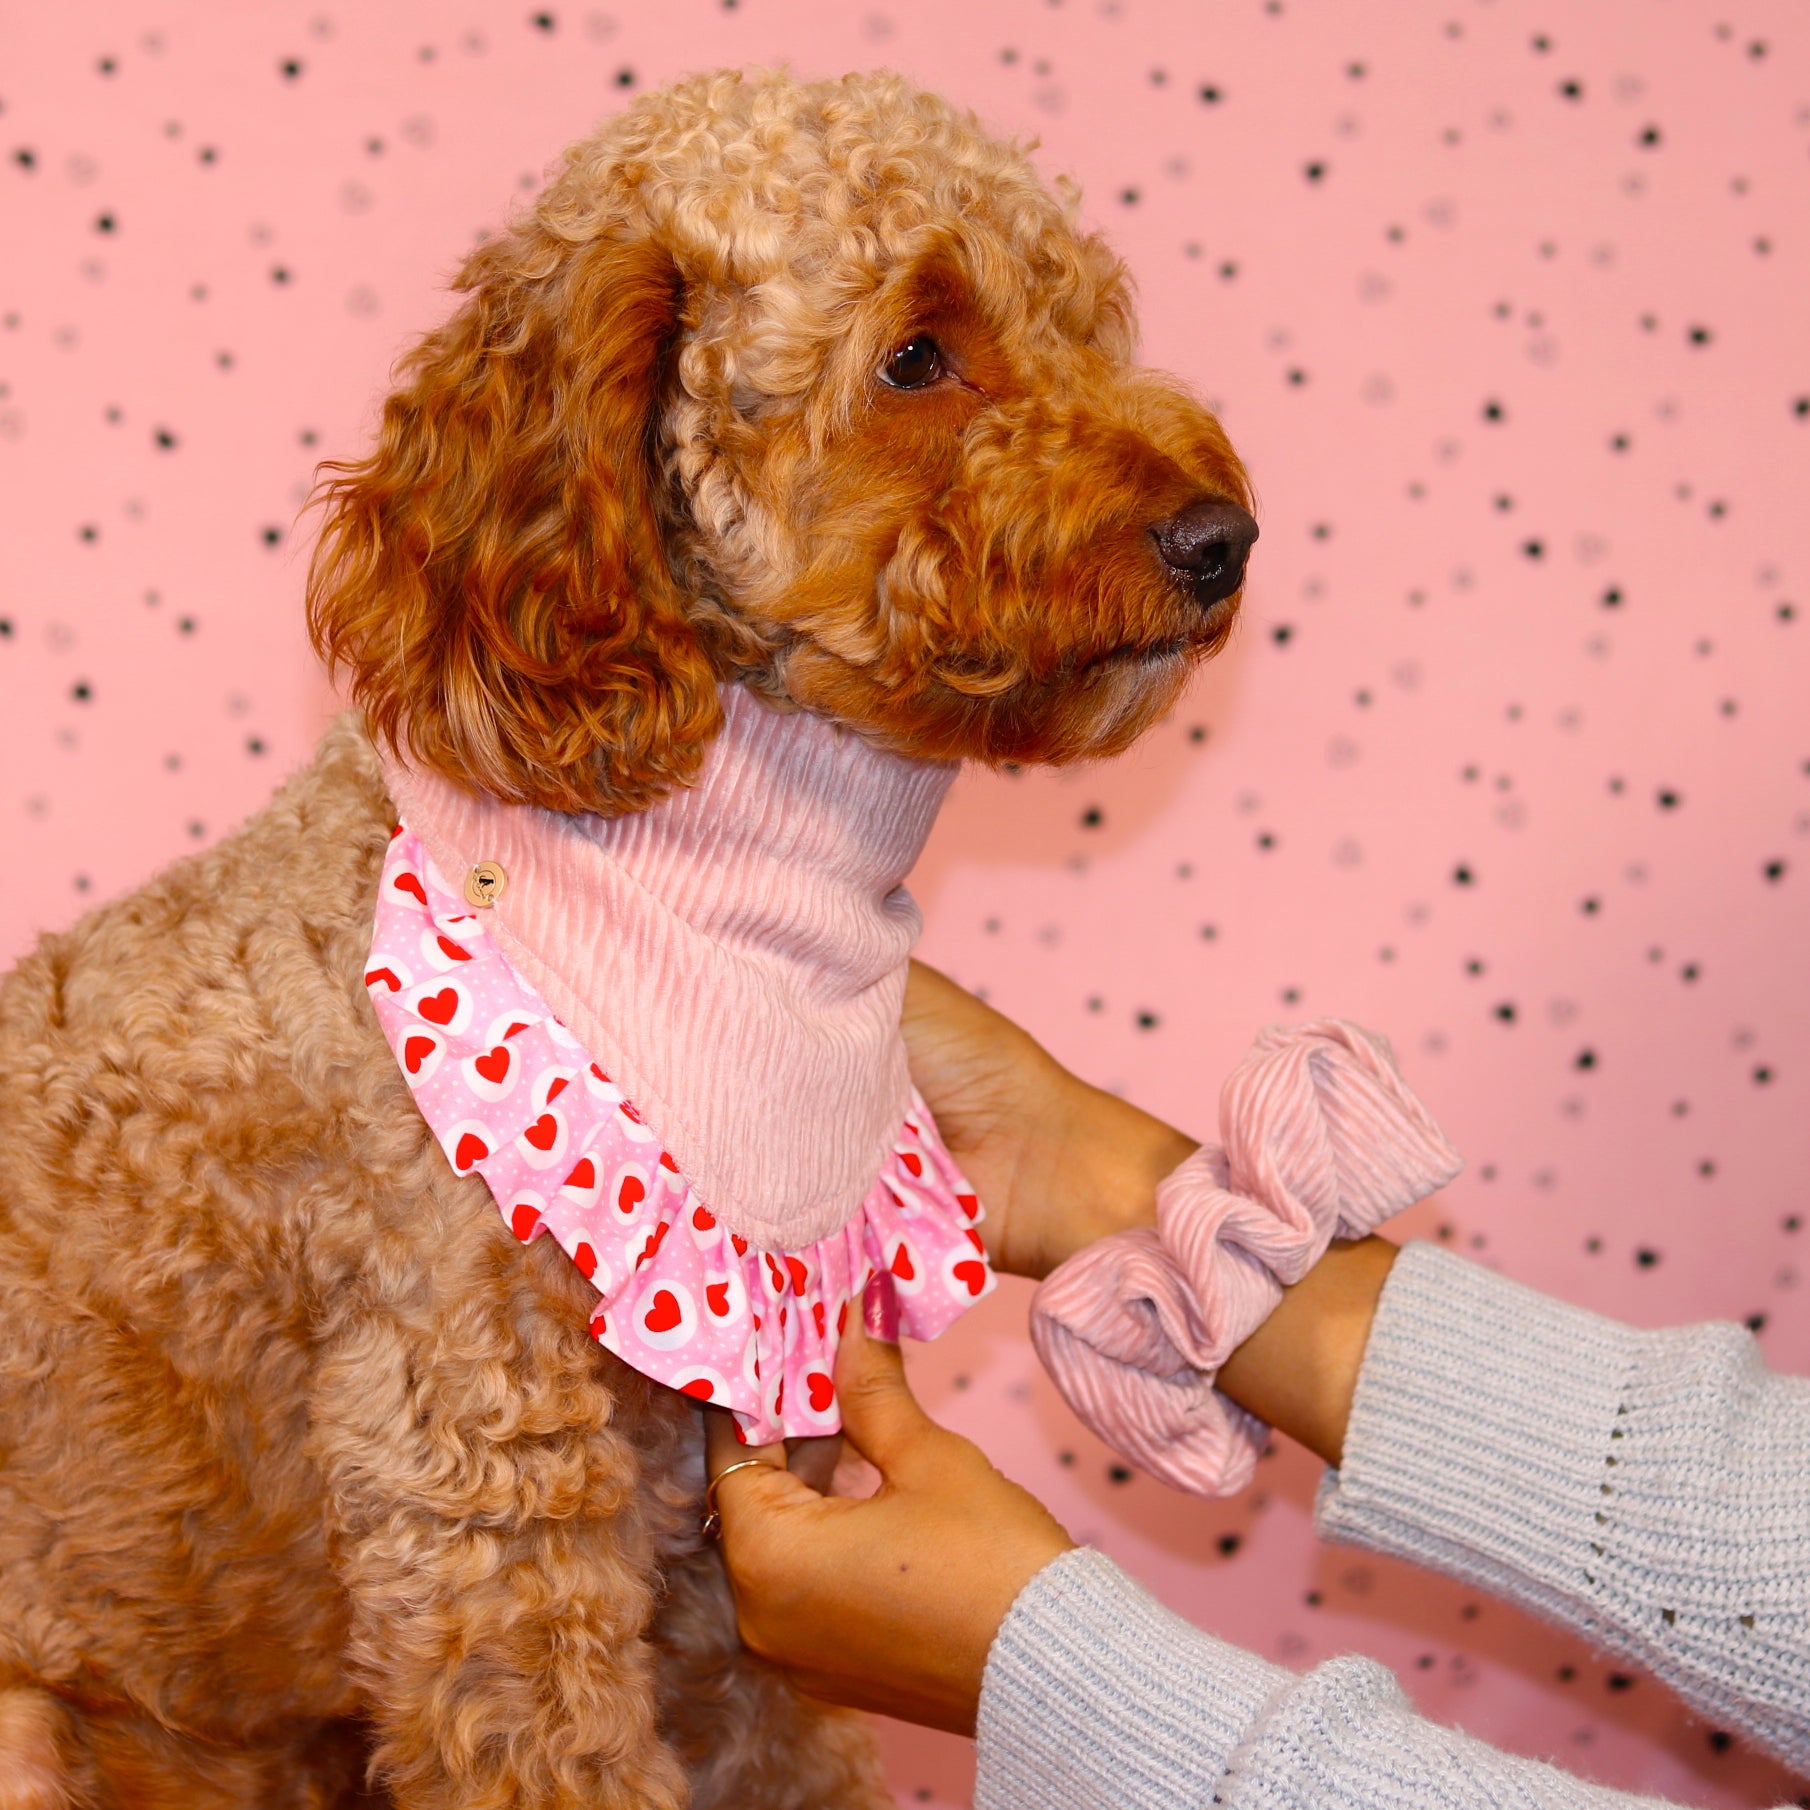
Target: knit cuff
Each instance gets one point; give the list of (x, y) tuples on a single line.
[(1096, 1697), (1644, 1488), (1483, 1417)]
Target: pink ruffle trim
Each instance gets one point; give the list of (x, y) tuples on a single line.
[(512, 1096), (1323, 1140)]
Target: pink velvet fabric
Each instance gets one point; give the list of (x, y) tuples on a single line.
[(734, 956), (1322, 1140), (513, 1096)]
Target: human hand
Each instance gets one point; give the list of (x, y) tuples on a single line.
[(888, 1603), (1056, 1163), (1059, 1163)]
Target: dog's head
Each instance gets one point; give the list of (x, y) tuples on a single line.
[(812, 386)]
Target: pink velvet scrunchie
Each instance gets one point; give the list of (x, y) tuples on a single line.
[(1323, 1140)]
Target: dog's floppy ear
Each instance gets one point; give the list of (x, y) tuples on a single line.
[(493, 578)]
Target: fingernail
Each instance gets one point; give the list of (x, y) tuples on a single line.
[(880, 1308)]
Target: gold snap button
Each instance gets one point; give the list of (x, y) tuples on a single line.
[(485, 884)]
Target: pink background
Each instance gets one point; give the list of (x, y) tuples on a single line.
[(1561, 651)]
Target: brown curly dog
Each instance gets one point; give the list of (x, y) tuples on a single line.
[(314, 1488)]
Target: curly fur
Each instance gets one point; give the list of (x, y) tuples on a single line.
[(314, 1490), (652, 450)]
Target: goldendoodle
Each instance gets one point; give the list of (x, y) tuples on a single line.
[(317, 1485)]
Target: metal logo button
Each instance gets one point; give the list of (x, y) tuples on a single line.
[(485, 884)]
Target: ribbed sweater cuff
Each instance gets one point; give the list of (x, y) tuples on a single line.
[(1480, 1427), (1097, 1697), (1644, 1488)]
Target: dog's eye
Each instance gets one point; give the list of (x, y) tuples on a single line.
[(910, 366)]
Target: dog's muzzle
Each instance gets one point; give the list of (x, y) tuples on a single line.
[(1204, 547)]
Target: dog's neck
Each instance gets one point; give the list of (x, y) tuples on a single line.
[(734, 956), (791, 849)]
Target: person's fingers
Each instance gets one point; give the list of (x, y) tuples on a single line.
[(813, 1460), (723, 1446), (880, 1415), (724, 1454)]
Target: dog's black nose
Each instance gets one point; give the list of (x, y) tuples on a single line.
[(1204, 546)]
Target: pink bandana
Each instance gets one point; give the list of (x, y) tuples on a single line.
[(511, 1094), (734, 955)]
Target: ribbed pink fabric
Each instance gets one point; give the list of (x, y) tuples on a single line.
[(1323, 1140), (734, 956)]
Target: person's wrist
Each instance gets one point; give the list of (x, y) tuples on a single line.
[(1116, 1155), (1298, 1371)]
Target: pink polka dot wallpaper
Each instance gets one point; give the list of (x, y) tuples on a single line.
[(1503, 303)]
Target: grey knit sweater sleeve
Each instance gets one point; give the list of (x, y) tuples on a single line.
[(1651, 1490)]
